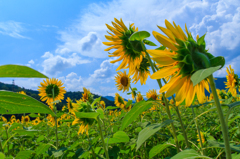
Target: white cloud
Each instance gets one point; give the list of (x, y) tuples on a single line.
[(234, 65), (73, 82), (50, 26), (31, 62), (222, 23), (12, 28), (89, 45), (55, 64), (101, 75)]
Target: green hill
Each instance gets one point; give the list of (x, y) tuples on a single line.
[(72, 95)]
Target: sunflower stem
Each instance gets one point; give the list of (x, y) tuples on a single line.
[(101, 134), (136, 102), (179, 117), (94, 155), (55, 111), (221, 117), (164, 99), (198, 130), (7, 140)]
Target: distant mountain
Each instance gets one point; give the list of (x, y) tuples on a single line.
[(220, 83), (109, 98), (72, 95)]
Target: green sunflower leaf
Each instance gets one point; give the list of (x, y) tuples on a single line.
[(19, 71), (2, 156), (161, 48), (92, 115), (190, 154), (150, 130), (42, 149), (128, 103), (95, 101), (200, 75), (139, 35), (16, 103), (216, 61), (111, 107), (134, 113), (118, 137), (214, 143), (157, 149), (24, 154)]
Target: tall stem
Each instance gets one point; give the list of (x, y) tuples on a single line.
[(55, 111), (198, 130), (94, 155), (165, 101), (221, 117), (7, 140), (179, 117), (100, 130)]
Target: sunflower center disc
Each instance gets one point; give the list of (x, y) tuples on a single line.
[(154, 97), (49, 90), (124, 81)]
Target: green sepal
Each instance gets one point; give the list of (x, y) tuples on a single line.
[(136, 40), (148, 42), (136, 45), (161, 48), (201, 40)]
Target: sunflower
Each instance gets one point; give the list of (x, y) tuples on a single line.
[(18, 121), (36, 121), (46, 90), (69, 104), (13, 117), (64, 108), (119, 102), (120, 40), (102, 104), (13, 120), (22, 92), (202, 137), (87, 96), (84, 123), (25, 119), (152, 94), (232, 81), (123, 81), (139, 97), (83, 128), (2, 118), (141, 72), (181, 57)]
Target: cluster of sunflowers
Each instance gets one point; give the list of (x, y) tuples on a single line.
[(174, 63), (178, 59)]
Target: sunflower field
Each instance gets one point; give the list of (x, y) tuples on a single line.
[(178, 122)]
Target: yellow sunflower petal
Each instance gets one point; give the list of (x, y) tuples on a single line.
[(164, 72), (175, 87), (164, 40)]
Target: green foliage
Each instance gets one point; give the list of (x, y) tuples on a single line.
[(202, 74), (15, 103), (19, 71)]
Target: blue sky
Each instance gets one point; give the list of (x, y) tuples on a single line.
[(63, 39)]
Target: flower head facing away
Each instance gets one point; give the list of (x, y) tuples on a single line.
[(180, 58), (134, 60), (232, 81)]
